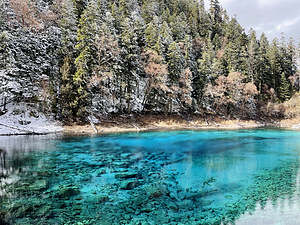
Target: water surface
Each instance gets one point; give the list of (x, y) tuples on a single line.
[(187, 177)]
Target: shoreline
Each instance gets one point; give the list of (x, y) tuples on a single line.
[(173, 125), (150, 123)]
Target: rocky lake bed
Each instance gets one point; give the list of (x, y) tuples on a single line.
[(118, 184)]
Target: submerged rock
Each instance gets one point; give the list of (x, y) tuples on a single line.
[(96, 199), (139, 200), (44, 210), (147, 208), (172, 206), (129, 184), (39, 185), (67, 191), (101, 171), (152, 191), (204, 202), (102, 198), (126, 175)]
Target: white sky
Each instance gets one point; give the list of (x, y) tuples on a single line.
[(269, 16)]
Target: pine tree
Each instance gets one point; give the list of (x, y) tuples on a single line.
[(276, 71), (149, 10), (130, 57), (4, 66), (165, 39), (288, 57), (68, 25), (89, 26), (235, 50), (3, 15), (180, 27), (4, 51), (263, 66), (80, 6), (252, 58), (216, 18), (284, 88), (204, 22), (152, 37), (67, 91), (176, 65), (66, 94)]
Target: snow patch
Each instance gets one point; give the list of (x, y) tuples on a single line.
[(21, 118)]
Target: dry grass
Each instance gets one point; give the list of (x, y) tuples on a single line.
[(160, 122), (292, 107), (289, 123)]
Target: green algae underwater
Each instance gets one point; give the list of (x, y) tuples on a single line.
[(176, 177)]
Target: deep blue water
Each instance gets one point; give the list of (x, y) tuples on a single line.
[(187, 177)]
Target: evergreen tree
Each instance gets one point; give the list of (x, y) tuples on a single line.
[(288, 52), (180, 27), (284, 88), (263, 66), (176, 65), (86, 60), (152, 34), (216, 18), (150, 10), (130, 57), (67, 92), (4, 51), (80, 6), (68, 25), (235, 50), (274, 57), (165, 39), (3, 15), (65, 95), (252, 58)]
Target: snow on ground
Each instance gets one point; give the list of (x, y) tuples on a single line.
[(23, 118)]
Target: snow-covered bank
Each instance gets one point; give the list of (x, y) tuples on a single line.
[(23, 118)]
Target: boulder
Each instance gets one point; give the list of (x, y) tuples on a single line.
[(126, 175), (67, 191), (99, 172), (172, 206), (147, 208), (129, 184), (102, 198), (152, 191), (139, 200), (39, 185)]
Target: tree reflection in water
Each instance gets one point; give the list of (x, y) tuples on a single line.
[(2, 163)]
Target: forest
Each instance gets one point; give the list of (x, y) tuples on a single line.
[(76, 58)]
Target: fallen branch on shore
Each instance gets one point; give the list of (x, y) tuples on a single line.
[(93, 125)]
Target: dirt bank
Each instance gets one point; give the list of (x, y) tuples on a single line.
[(136, 123)]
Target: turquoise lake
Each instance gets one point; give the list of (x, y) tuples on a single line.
[(176, 177)]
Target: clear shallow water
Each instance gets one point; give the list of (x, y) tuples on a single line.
[(187, 177)]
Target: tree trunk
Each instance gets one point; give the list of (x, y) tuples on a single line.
[(4, 105)]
